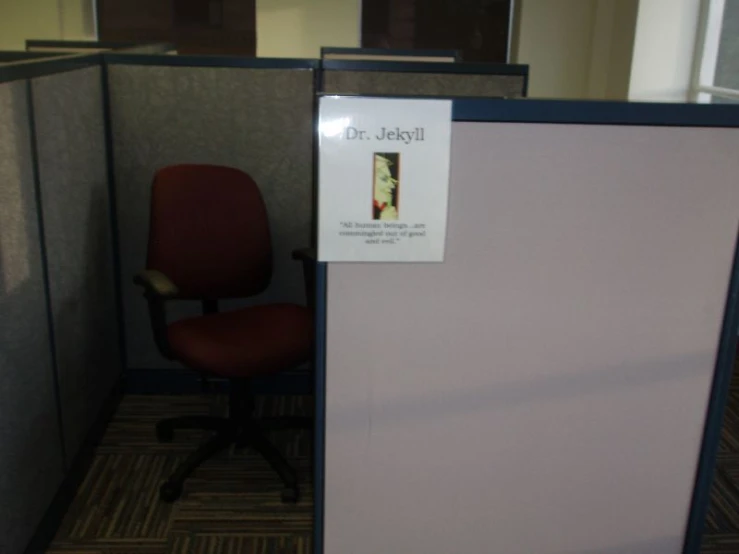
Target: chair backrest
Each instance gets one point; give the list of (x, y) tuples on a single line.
[(209, 232)]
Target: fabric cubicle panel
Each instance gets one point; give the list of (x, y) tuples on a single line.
[(422, 84), (73, 176), (31, 464), (255, 119), (553, 372)]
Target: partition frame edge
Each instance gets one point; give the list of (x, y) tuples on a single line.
[(166, 60), (31, 69), (319, 437), (475, 68), (113, 214)]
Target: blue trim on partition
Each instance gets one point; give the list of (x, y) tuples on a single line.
[(8, 56), (45, 269), (595, 113), (401, 96), (475, 68), (319, 439), (31, 69), (714, 418), (115, 58), (317, 87), (97, 45), (113, 214), (31, 43), (392, 52)]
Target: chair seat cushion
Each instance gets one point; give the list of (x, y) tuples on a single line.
[(245, 342)]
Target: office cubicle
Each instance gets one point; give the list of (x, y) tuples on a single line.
[(424, 79), (253, 114), (556, 385), (81, 138), (58, 323), (390, 55)]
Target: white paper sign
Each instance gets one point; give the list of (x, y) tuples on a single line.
[(383, 179)]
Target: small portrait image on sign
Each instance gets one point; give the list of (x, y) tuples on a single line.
[(386, 186)]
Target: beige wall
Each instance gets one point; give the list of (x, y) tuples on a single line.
[(621, 52), (298, 28), (44, 19), (24, 19), (576, 48), (285, 28), (555, 38), (663, 50), (77, 19)]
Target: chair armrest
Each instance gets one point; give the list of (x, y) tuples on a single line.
[(308, 257), (156, 283), (158, 288)]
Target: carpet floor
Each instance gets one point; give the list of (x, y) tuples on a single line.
[(721, 533), (231, 505)]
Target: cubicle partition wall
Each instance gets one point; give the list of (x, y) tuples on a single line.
[(424, 79), (546, 388), (31, 458), (75, 204), (58, 323), (252, 114)]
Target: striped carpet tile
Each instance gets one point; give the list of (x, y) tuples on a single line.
[(238, 544), (118, 499), (730, 432), (132, 429), (130, 547), (723, 512), (721, 544), (230, 504)]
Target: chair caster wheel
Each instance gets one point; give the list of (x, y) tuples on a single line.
[(290, 495), (169, 491), (165, 433)]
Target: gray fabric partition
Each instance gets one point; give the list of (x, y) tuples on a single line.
[(73, 176), (31, 464), (423, 84), (257, 120)]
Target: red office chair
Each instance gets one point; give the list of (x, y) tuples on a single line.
[(209, 240)]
